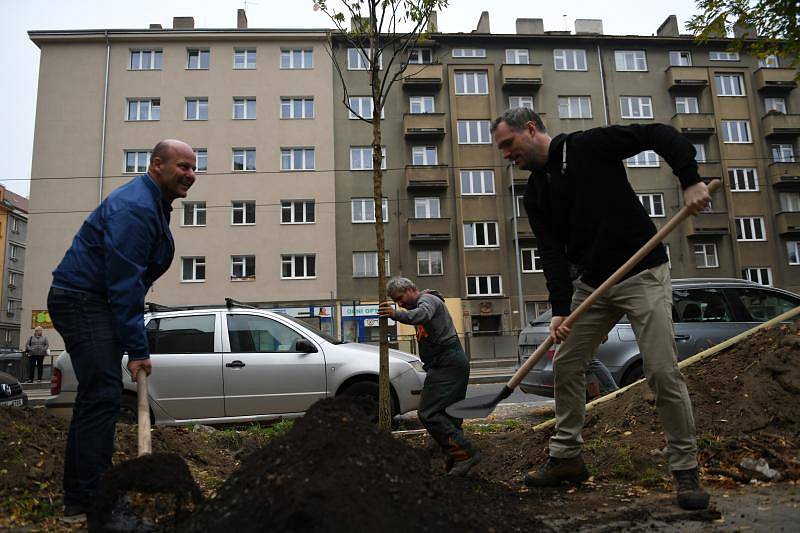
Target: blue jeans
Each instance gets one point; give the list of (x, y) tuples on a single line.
[(84, 322)]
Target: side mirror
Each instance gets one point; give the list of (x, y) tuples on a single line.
[(305, 346)]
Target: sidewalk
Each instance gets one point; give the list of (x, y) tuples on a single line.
[(37, 392), (492, 370)]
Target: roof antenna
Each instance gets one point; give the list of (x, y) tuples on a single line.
[(566, 26)]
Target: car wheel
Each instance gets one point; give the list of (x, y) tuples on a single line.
[(128, 412), (634, 373)]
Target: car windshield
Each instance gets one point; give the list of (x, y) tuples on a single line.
[(315, 330)]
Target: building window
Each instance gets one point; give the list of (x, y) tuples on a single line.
[(531, 260), (520, 101), (519, 206), (648, 158), (193, 268), (705, 256), (653, 204), (770, 61), (735, 131), (14, 225), (8, 338), (358, 59), (793, 247), (686, 105), (243, 212), (244, 58), (477, 182), (680, 58), (302, 266), (13, 280), (363, 210), (297, 159), (297, 108), (10, 307), (421, 104), (473, 132), (762, 275), (197, 109), (197, 59), (194, 213), (775, 105), (469, 52), (145, 60), (480, 235), (782, 153), (362, 105), (14, 252), (298, 212), (729, 84), (244, 159), (429, 263), (472, 82), (361, 157), (137, 160), (790, 201), (426, 208), (424, 155), (201, 159), (244, 108), (716, 55), (630, 60), (700, 152), (750, 229), (517, 56), (743, 179), (297, 59), (144, 109), (243, 267), (365, 264), (420, 56), (569, 59), (636, 107), (484, 286), (574, 107)]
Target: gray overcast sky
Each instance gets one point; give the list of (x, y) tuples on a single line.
[(19, 57)]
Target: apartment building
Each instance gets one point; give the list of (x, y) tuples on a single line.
[(258, 225), (13, 233)]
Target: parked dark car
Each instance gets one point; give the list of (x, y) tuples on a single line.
[(705, 312), (11, 394)]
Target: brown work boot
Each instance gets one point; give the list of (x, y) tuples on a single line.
[(691, 495), (556, 471), (463, 466)]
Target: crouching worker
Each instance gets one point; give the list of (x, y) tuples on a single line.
[(446, 365)]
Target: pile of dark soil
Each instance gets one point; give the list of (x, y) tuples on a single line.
[(337, 472)]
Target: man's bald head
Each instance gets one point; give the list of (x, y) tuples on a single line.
[(172, 166), (166, 148)]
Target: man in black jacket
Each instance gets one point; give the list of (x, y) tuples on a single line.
[(588, 221)]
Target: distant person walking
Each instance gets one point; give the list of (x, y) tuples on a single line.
[(37, 347)]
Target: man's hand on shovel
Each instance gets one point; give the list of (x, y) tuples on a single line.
[(696, 197), (139, 364)]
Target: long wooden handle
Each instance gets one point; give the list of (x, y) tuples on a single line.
[(682, 215), (143, 409)]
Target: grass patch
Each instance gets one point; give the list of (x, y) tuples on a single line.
[(233, 439), (509, 424)]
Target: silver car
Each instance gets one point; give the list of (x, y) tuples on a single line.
[(214, 365), (705, 312)]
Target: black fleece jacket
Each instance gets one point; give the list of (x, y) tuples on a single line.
[(585, 214)]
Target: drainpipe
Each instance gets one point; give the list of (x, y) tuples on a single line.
[(523, 320), (603, 84), (105, 112)]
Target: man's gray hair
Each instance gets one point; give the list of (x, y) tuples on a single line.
[(398, 284), (518, 117)]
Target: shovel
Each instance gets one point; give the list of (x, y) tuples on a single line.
[(482, 406), (143, 413)]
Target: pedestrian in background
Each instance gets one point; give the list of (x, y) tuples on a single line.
[(36, 348)]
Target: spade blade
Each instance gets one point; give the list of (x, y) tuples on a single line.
[(478, 406)]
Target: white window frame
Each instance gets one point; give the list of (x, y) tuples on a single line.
[(488, 279), (241, 261), (708, 252), (200, 53), (569, 60), (474, 132), (424, 155), (720, 55), (650, 204), (460, 53), (533, 258), (244, 105), (789, 201), (138, 168), (15, 224), (480, 175), (294, 159), (520, 101), (518, 56), (471, 82), (769, 61), (730, 85), (152, 108), (687, 105), (364, 157), (428, 258), (199, 103), (367, 206), (519, 206), (636, 107), (775, 104), (197, 261), (680, 58), (244, 54), (193, 210), (363, 105), (288, 59), (754, 225), (416, 56), (421, 103), (793, 250), (369, 257), (13, 253), (740, 127), (757, 275), (201, 158), (471, 234), (646, 159), (288, 109), (782, 153), (290, 260), (630, 60), (358, 59), (700, 149), (427, 207), (239, 207), (572, 107), (743, 179), (245, 154), (299, 212), (156, 59)]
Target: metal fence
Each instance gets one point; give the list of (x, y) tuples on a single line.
[(482, 346)]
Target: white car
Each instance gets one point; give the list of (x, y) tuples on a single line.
[(239, 364)]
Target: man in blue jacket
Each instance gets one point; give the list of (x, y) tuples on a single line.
[(96, 303)]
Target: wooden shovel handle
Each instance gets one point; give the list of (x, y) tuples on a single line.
[(682, 215), (143, 411)]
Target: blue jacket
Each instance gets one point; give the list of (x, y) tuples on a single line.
[(120, 250)]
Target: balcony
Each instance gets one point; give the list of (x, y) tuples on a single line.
[(423, 125), (695, 123), (788, 223), (427, 177), (522, 76), (428, 229), (775, 79), (784, 174), (776, 124), (423, 76), (687, 78), (708, 225), (524, 231), (709, 170)]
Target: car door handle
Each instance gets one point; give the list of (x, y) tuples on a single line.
[(682, 337), (235, 364)]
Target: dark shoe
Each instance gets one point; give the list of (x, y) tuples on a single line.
[(556, 471), (74, 514), (691, 495), (462, 468)]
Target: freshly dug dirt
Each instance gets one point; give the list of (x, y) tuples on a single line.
[(337, 472)]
